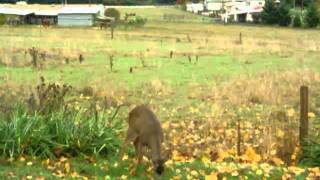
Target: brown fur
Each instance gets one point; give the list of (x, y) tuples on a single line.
[(146, 133)]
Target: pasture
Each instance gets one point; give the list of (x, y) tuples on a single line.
[(229, 107)]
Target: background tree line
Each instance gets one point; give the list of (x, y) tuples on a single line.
[(106, 2), (289, 12)]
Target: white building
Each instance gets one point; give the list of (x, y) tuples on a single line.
[(79, 16), (234, 10), (195, 7)]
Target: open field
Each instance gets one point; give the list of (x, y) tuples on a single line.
[(212, 82)]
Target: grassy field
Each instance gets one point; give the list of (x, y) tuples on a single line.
[(212, 81)]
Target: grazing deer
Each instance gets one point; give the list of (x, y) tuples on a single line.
[(146, 133)]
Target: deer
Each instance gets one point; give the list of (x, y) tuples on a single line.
[(146, 134)]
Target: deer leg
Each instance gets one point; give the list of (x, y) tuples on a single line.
[(138, 150), (131, 136)]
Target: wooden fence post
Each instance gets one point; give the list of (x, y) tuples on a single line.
[(112, 29), (239, 137), (240, 38), (303, 129)]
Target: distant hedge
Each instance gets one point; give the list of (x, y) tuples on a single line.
[(106, 2), (2, 19)]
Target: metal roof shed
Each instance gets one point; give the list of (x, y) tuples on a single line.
[(15, 11), (78, 16)]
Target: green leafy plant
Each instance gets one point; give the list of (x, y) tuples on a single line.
[(297, 21), (137, 21), (312, 17), (60, 133), (284, 16), (311, 154), (112, 12), (270, 13)]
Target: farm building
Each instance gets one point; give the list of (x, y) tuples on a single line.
[(30, 14), (15, 16), (79, 16), (45, 15), (63, 15)]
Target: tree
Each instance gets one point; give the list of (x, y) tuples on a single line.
[(303, 3), (312, 17), (284, 16), (297, 21), (112, 12), (269, 15)]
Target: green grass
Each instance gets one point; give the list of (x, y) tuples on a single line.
[(176, 72)]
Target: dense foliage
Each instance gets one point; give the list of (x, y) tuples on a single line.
[(297, 21), (312, 16), (2, 19), (284, 16), (109, 2), (112, 12), (270, 13), (280, 14), (59, 133)]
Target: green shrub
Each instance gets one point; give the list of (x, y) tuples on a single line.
[(270, 14), (311, 154), (284, 16), (2, 19), (297, 21), (256, 18), (137, 21), (66, 132), (312, 17), (112, 12)]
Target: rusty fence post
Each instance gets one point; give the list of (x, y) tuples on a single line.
[(303, 129), (239, 137), (112, 29)]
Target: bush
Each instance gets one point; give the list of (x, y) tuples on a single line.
[(137, 21), (270, 14), (2, 19), (297, 21), (256, 18), (284, 16), (311, 154), (66, 132), (112, 12), (312, 17)]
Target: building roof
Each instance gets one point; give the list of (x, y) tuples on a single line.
[(15, 11), (50, 10), (80, 10), (46, 12)]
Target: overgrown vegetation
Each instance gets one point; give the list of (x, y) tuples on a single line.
[(312, 16), (270, 13), (112, 12), (63, 133), (297, 21), (48, 125), (2, 19)]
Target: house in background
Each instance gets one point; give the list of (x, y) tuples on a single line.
[(79, 15), (231, 10), (242, 11)]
